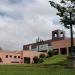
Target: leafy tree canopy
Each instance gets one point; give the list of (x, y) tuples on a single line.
[(66, 11)]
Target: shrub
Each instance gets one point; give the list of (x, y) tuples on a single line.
[(41, 60), (42, 56), (50, 53), (35, 59)]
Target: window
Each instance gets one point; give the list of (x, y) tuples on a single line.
[(10, 56), (63, 51), (15, 56), (1, 60), (6, 56), (61, 35), (18, 56), (26, 47), (33, 46), (55, 35)]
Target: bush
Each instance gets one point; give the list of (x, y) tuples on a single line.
[(41, 60), (42, 56), (50, 53), (35, 59)]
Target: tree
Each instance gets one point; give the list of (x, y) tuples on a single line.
[(41, 60), (66, 12), (50, 53)]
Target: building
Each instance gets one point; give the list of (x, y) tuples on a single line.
[(29, 55), (59, 44), (7, 57), (18, 57), (42, 46)]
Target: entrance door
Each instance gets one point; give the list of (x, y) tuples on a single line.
[(27, 60), (63, 51)]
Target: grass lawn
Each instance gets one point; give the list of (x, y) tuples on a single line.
[(37, 69), (57, 59)]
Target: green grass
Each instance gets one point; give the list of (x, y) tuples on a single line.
[(49, 67), (35, 70), (57, 59)]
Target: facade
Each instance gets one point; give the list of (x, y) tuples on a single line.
[(18, 57), (62, 46), (42, 46), (59, 44), (29, 55), (10, 57)]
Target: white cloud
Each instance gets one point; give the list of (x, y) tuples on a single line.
[(22, 22)]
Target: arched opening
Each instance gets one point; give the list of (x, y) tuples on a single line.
[(61, 34), (55, 35)]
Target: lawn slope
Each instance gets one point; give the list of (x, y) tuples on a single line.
[(38, 69), (56, 59)]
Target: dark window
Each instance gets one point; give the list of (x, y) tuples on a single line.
[(63, 51), (71, 51), (1, 60), (26, 60), (33, 46), (18, 56), (10, 56), (26, 47), (15, 56), (6, 56)]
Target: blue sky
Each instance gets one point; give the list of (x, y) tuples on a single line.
[(22, 21)]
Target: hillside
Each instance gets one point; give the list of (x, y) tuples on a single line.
[(56, 59)]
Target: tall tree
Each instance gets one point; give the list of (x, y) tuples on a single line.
[(66, 12)]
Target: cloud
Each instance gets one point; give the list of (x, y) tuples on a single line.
[(14, 1), (22, 21)]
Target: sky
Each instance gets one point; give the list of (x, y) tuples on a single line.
[(23, 21)]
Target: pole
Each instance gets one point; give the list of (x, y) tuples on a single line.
[(38, 44)]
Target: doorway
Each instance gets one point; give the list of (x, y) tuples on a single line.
[(27, 60), (63, 51), (56, 51)]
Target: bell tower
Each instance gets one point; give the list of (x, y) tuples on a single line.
[(58, 35)]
